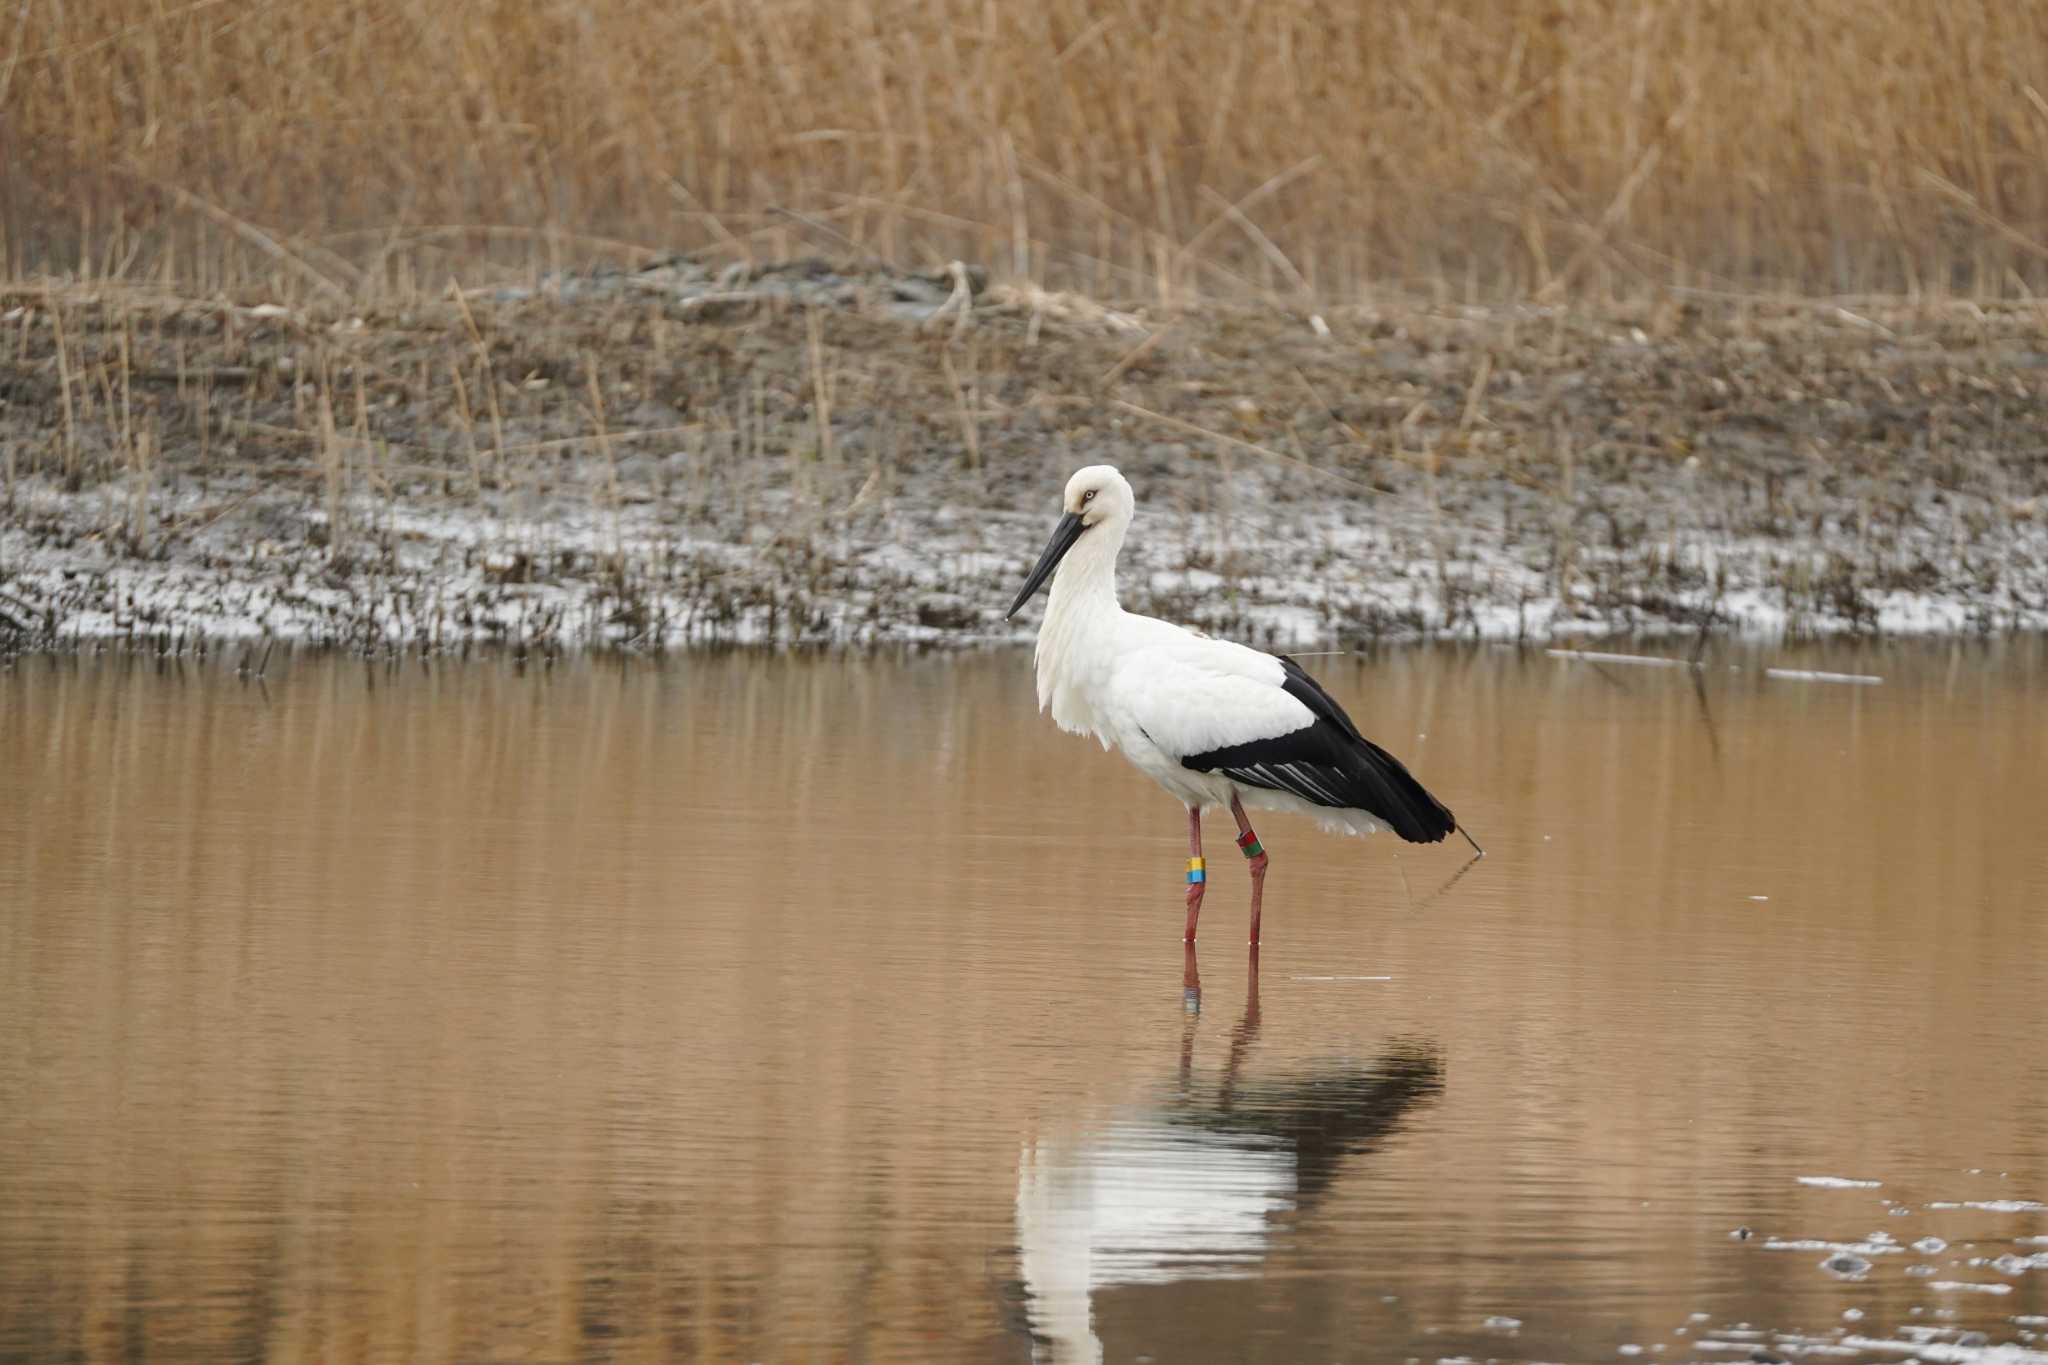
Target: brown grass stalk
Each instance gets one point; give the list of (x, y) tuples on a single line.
[(1838, 146), (487, 378), (821, 385), (72, 472), (333, 468), (963, 408)]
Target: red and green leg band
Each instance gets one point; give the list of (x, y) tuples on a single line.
[(1198, 872), (1249, 842)]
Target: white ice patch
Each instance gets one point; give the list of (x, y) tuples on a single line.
[(1834, 1182), (1949, 1353), (1340, 978), (1638, 660), (669, 558), (1810, 675)]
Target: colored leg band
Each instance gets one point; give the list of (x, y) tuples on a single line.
[(1197, 872), (1249, 842)]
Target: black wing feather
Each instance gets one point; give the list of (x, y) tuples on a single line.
[(1329, 763)]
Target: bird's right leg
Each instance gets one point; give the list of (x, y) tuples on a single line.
[(1198, 874), (1255, 857)]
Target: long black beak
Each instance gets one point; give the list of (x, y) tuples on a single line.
[(1063, 537)]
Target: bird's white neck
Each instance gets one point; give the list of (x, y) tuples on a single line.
[(1076, 641), (1086, 578)]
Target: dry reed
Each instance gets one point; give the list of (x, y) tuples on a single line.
[(1198, 149)]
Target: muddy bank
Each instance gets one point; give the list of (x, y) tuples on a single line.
[(807, 454)]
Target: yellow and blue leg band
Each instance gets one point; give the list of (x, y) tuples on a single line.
[(1197, 872)]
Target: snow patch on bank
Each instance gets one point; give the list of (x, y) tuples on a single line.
[(242, 559)]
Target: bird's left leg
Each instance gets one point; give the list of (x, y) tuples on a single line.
[(1255, 857), (1198, 873)]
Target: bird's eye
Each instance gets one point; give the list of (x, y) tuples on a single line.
[(1088, 497)]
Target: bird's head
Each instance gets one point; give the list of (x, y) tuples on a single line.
[(1096, 497), (1097, 493)]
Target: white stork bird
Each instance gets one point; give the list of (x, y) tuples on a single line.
[(1215, 723)]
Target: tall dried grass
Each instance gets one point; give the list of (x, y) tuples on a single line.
[(1157, 148)]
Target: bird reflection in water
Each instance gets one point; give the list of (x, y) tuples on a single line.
[(1197, 1185)]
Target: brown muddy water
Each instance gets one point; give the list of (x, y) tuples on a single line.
[(779, 1008)]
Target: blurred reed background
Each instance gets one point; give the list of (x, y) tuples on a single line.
[(1200, 149)]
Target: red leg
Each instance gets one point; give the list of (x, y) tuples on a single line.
[(1195, 888), (1247, 839)]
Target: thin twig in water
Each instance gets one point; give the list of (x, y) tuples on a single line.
[(1456, 877), (1699, 691)]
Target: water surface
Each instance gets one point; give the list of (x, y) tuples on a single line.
[(762, 1007)]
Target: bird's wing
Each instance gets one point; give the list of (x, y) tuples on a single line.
[(1262, 721), (1190, 695)]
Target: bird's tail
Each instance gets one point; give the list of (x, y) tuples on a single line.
[(1403, 802)]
